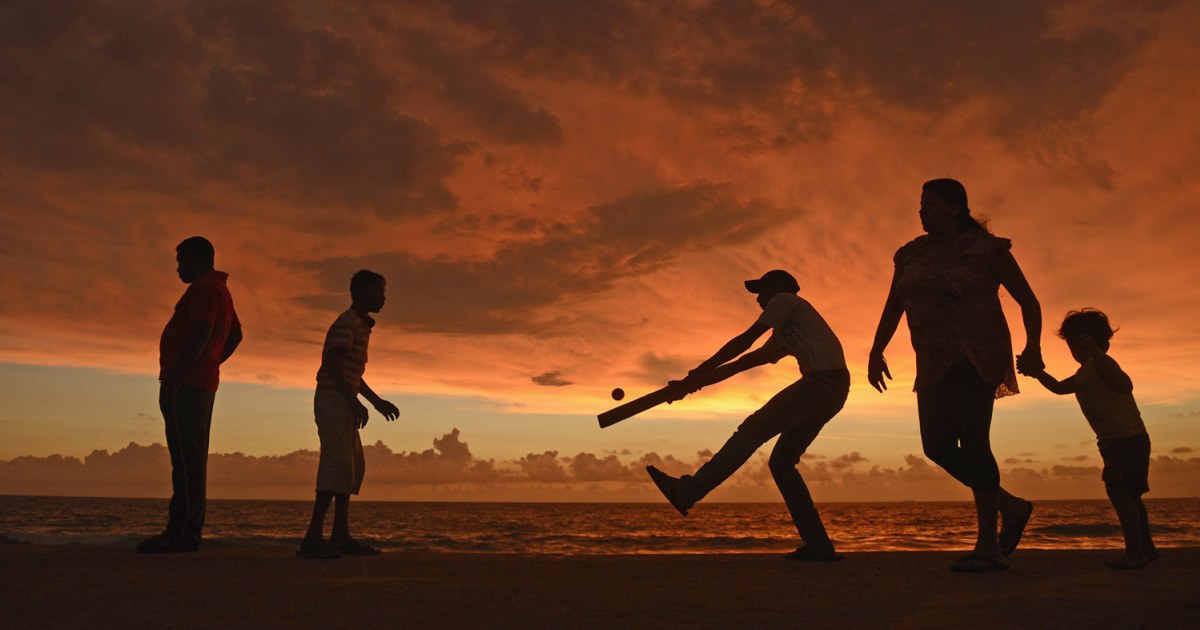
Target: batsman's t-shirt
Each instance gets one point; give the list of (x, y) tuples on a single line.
[(800, 331)]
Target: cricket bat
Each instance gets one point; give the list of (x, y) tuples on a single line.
[(667, 394)]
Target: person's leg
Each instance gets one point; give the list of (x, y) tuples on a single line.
[(1148, 548), (313, 545), (316, 526), (177, 509), (939, 413), (341, 519), (1126, 504), (955, 415), (773, 418), (975, 401), (818, 404), (784, 458), (335, 472), (340, 536), (194, 411)]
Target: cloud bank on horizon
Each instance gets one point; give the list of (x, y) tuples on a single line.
[(569, 194), (451, 472)]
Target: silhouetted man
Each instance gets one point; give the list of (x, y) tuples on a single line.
[(795, 414), (200, 336)]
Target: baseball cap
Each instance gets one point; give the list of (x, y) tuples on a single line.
[(774, 278)]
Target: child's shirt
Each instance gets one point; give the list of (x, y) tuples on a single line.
[(349, 333), (1111, 413), (799, 330)]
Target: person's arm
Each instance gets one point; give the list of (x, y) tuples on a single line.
[(193, 344), (231, 342), (889, 320), (331, 364), (730, 350), (1013, 280), (1110, 372), (1065, 386), (761, 356), (385, 408)]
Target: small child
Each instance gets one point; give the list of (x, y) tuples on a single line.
[(1105, 395)]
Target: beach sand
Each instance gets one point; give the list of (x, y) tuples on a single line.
[(232, 586)]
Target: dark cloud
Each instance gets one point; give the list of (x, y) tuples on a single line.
[(1189, 414), (655, 368), (589, 467), (803, 60), (243, 96), (550, 379), (461, 80), (1076, 458), (633, 235), (543, 467), (1182, 450), (848, 460)]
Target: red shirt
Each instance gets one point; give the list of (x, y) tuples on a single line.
[(205, 300)]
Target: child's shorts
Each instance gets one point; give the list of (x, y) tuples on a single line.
[(340, 469), (1126, 462)]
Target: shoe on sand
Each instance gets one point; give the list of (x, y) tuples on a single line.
[(1010, 536), (975, 563), (354, 548), (810, 554), (318, 549), (673, 489)]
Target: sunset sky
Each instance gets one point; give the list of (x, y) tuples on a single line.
[(564, 198)]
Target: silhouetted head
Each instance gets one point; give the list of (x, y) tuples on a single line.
[(1085, 322), (944, 208), (367, 290), (194, 257), (771, 284)]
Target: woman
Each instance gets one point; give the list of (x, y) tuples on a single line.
[(947, 283)]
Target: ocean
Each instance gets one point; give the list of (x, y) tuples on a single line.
[(590, 528)]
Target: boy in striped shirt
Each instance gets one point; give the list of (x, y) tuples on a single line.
[(339, 415)]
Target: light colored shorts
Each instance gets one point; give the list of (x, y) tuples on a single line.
[(342, 463)]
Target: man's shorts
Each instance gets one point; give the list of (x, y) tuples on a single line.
[(342, 463), (1126, 462)]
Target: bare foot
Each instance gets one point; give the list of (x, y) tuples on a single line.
[(1128, 561)]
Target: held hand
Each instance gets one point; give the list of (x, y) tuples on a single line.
[(680, 391), (690, 383), (682, 388), (387, 410), (1030, 362), (360, 414), (877, 369)]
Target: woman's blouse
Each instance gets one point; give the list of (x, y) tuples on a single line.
[(951, 298)]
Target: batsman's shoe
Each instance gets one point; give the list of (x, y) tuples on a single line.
[(675, 490)]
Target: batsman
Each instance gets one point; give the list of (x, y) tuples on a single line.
[(796, 414)]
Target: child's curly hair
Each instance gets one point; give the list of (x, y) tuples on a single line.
[(1086, 321)]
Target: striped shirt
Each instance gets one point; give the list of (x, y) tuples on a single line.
[(347, 340)]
